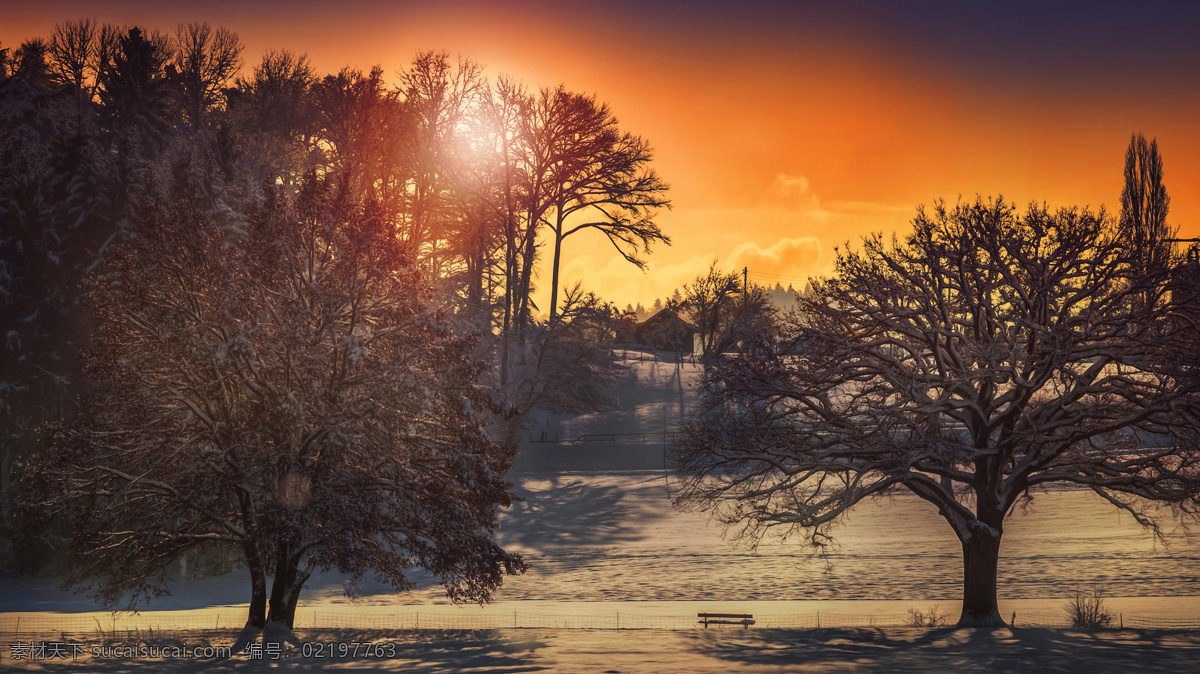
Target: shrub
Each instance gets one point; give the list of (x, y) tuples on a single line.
[(1086, 608), (929, 618)]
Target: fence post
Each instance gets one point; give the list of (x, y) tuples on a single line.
[(818, 620)]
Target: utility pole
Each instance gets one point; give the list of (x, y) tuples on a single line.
[(1191, 266), (745, 272)]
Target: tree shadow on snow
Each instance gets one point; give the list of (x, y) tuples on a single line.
[(430, 651), (574, 512), (952, 649)]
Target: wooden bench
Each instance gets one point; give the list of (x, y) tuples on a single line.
[(743, 619)]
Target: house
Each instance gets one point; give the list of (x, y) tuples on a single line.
[(666, 331)]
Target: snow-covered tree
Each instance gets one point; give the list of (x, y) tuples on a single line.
[(724, 312), (568, 364), (278, 392), (274, 117), (203, 62), (986, 356)]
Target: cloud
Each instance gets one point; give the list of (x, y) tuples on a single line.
[(787, 186), (789, 237), (793, 192), (795, 258)]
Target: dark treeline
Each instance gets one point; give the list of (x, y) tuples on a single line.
[(104, 128), (782, 298)]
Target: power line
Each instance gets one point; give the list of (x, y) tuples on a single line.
[(767, 273), (777, 278)]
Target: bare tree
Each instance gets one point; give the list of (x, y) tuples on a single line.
[(108, 46), (596, 172), (205, 60), (276, 118), (361, 129), (726, 313), (987, 355), (282, 395), (500, 202), (438, 95), (73, 47)]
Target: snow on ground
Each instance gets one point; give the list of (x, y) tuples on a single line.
[(614, 537), (714, 650), (605, 543)]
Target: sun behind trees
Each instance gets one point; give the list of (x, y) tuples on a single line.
[(106, 126), (988, 354)]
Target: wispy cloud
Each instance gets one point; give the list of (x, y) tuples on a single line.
[(794, 257), (789, 236)]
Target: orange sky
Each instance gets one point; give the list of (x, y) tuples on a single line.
[(786, 130)]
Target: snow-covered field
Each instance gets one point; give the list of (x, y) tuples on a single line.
[(607, 544), (615, 651)]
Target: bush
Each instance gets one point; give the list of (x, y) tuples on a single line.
[(930, 618), (1086, 608)]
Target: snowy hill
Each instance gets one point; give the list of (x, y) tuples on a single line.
[(653, 404)]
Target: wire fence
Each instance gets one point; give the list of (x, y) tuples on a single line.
[(15, 625), (651, 436)]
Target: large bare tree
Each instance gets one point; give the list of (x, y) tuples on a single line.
[(275, 117), (595, 178), (987, 355), (282, 395)]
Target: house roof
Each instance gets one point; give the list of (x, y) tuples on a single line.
[(665, 315)]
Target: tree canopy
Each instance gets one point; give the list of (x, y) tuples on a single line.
[(102, 126), (278, 392)]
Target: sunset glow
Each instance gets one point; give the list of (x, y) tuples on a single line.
[(786, 131), (546, 336)]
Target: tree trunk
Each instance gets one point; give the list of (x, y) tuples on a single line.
[(285, 587), (510, 273), (554, 273), (981, 554), (258, 596), (528, 256), (293, 599), (281, 591)]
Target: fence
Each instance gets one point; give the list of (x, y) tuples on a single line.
[(12, 625), (1162, 621), (655, 436)]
